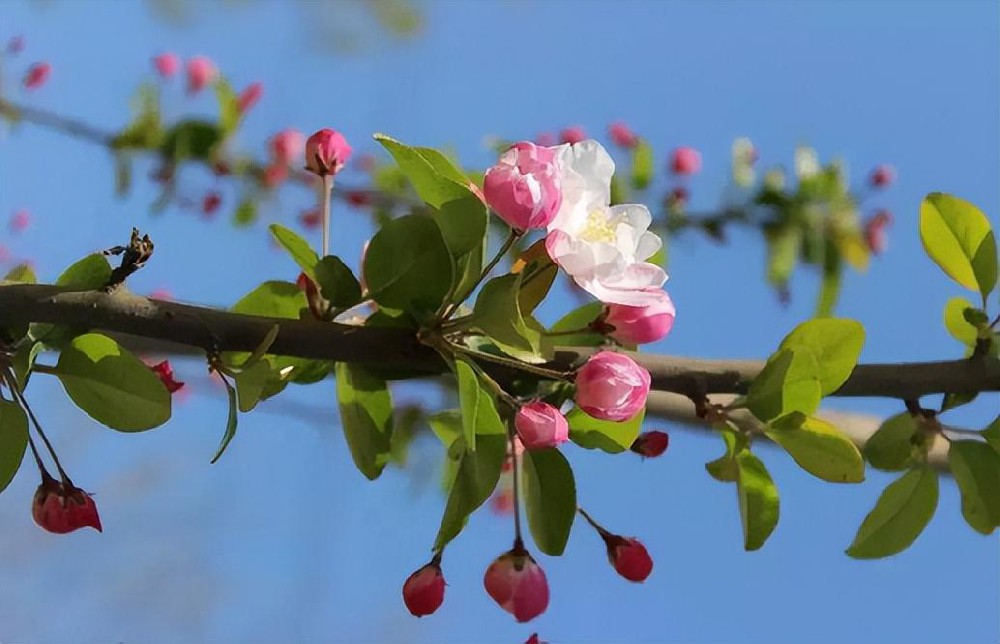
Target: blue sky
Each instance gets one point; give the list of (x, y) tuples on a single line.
[(284, 540)]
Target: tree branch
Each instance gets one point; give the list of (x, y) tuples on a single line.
[(213, 329)]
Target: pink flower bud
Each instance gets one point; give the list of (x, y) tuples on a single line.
[(502, 502), (651, 444), (523, 188), (201, 72), (19, 221), (274, 175), (629, 557), (365, 162), (62, 507), (249, 96), (876, 231), (882, 176), (423, 591), (210, 203), (36, 75), (534, 640), (678, 198), (572, 134), (612, 386), (317, 305), (641, 324), (311, 219), (546, 139), (15, 45), (622, 135), (358, 198), (539, 425), (685, 161), (326, 152), (286, 146), (166, 64), (166, 375), (518, 584)]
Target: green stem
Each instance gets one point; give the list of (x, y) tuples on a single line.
[(515, 474), (327, 187), (583, 329), (509, 362), (12, 383), (513, 237), (600, 530)]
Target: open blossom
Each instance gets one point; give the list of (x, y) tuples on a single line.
[(612, 386), (201, 72), (36, 75), (602, 247), (423, 591), (518, 584), (523, 188), (166, 64), (249, 96), (539, 425), (326, 152), (622, 135), (641, 324), (61, 507)]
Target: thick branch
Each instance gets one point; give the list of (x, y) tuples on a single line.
[(213, 329)]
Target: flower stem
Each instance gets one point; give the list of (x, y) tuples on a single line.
[(515, 474), (12, 383), (600, 530), (579, 331), (513, 364), (513, 237), (326, 186)]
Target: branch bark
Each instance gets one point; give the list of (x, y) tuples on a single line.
[(122, 312)]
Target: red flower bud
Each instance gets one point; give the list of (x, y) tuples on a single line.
[(882, 176), (629, 557), (877, 231), (622, 135), (166, 64), (651, 444), (36, 75), (534, 640), (166, 375), (423, 591), (572, 134), (19, 221), (311, 219), (62, 507), (201, 72), (210, 203), (518, 584), (326, 152), (685, 161), (317, 305)]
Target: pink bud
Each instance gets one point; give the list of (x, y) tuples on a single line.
[(423, 591), (161, 293), (518, 584), (166, 375), (166, 64), (685, 161), (286, 146), (15, 45), (317, 305), (311, 219), (882, 176), (641, 324), (249, 96), (572, 134), (19, 221), (876, 231), (358, 198), (326, 152), (612, 386), (36, 75), (62, 507), (210, 203), (540, 425), (201, 72), (546, 139), (365, 162), (274, 175), (629, 557), (678, 197), (502, 502), (651, 444), (622, 135), (523, 188)]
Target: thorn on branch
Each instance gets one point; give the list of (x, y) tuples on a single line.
[(134, 256)]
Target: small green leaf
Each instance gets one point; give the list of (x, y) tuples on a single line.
[(191, 139), (254, 382), (578, 319), (13, 440), (900, 515), (408, 266), (366, 416), (611, 437), (891, 447), (498, 314), (229, 107), (114, 387), (337, 282), (476, 476), (976, 467), (22, 273), (955, 322), (89, 274), (783, 246), (447, 426), (642, 165), (790, 381), (479, 412), (273, 299), (549, 498), (836, 345), (723, 469), (819, 448), (957, 236), (246, 212), (992, 434), (231, 420), (833, 273), (24, 361), (298, 248), (463, 223), (759, 507), (431, 185)]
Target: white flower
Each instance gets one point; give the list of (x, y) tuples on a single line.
[(602, 247)]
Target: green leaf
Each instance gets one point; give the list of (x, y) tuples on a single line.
[(476, 476), (274, 299), (899, 516), (114, 387), (337, 282), (246, 212), (829, 292), (231, 420), (611, 437), (723, 469), (538, 272), (642, 165), (13, 440), (366, 416), (24, 361), (463, 222), (890, 448), (783, 246), (759, 507), (577, 319), (408, 266), (819, 448), (976, 467), (957, 236), (447, 426), (992, 434), (431, 185), (89, 274), (836, 345), (955, 322), (191, 139), (22, 273), (549, 498), (254, 383), (479, 412), (298, 248), (229, 107), (498, 314), (790, 381)]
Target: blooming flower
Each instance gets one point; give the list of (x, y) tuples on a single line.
[(36, 75), (61, 507), (166, 64), (539, 425), (518, 584), (602, 247), (423, 591), (201, 72), (612, 386), (326, 152), (523, 188), (641, 324)]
